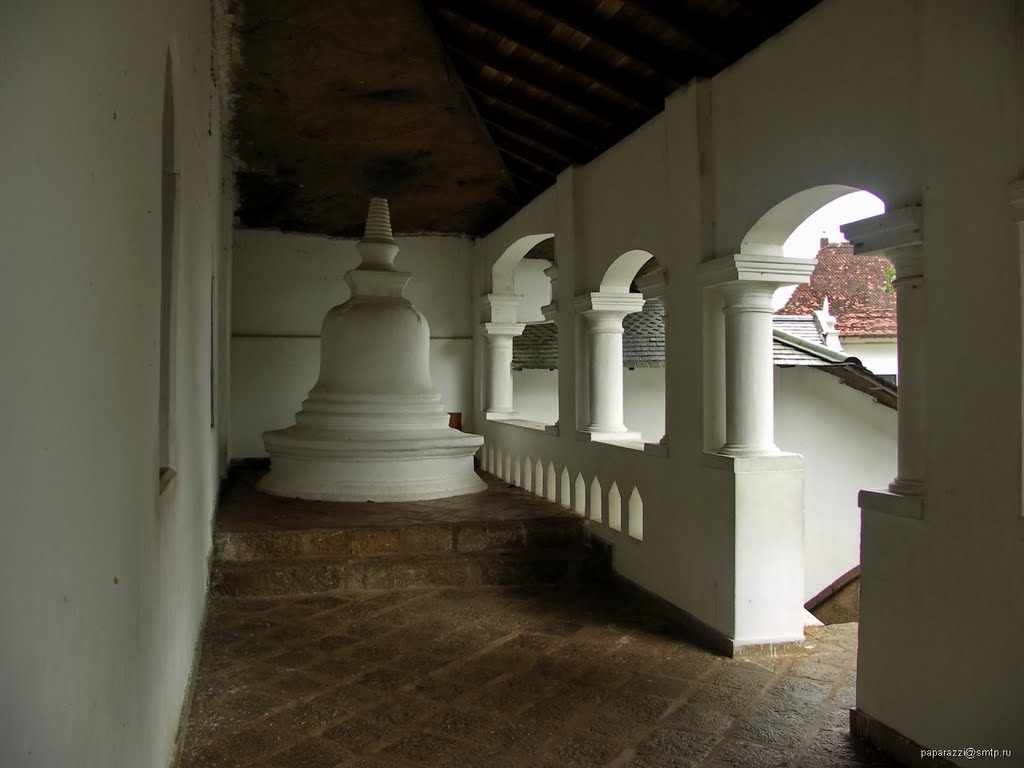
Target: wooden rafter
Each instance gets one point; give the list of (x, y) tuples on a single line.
[(633, 96), (679, 66), (527, 146), (584, 63)]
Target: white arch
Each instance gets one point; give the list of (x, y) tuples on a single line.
[(503, 272), (771, 231), (620, 273)]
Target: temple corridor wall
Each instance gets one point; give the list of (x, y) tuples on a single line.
[(931, 114), (103, 575)]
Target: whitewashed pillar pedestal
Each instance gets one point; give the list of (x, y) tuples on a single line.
[(766, 501)]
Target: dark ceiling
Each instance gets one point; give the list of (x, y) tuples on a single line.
[(458, 111)]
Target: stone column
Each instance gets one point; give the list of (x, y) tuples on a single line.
[(897, 235), (603, 314), (749, 369), (503, 310), (746, 283)]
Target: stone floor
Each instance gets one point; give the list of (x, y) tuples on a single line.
[(243, 508), (504, 676)]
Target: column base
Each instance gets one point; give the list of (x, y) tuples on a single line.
[(749, 450), (904, 487), (501, 415)]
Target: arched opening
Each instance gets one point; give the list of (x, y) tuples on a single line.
[(831, 337), (521, 334), (168, 262), (535, 350), (624, 355)]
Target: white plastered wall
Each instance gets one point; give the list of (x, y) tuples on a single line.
[(284, 284), (102, 579), (848, 442), (536, 398), (940, 97), (877, 355)]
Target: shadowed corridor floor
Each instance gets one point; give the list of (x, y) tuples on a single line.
[(504, 676)]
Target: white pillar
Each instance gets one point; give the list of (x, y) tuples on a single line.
[(502, 328), (746, 283), (499, 368), (749, 369), (897, 234), (603, 314)]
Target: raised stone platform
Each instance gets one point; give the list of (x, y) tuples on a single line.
[(265, 545)]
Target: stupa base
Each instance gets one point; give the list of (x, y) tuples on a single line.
[(359, 469)]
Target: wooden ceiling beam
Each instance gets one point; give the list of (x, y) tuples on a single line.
[(526, 124), (698, 30), (536, 170), (678, 66), (531, 145), (581, 62), (645, 100), (581, 131), (597, 111)]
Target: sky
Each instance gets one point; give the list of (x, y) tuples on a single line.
[(825, 222)]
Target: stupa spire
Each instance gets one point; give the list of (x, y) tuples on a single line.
[(378, 222), (378, 247)]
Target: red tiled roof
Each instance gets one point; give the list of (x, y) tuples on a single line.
[(855, 287)]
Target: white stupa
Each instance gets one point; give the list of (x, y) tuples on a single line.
[(373, 427)]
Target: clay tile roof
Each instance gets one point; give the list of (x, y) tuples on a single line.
[(855, 287)]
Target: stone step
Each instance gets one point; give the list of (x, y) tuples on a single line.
[(438, 538), (395, 571)]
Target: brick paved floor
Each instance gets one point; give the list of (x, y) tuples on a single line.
[(501, 677)]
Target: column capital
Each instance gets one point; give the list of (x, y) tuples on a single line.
[(495, 330), (608, 303), (748, 296), (748, 268), (503, 307), (653, 285)]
